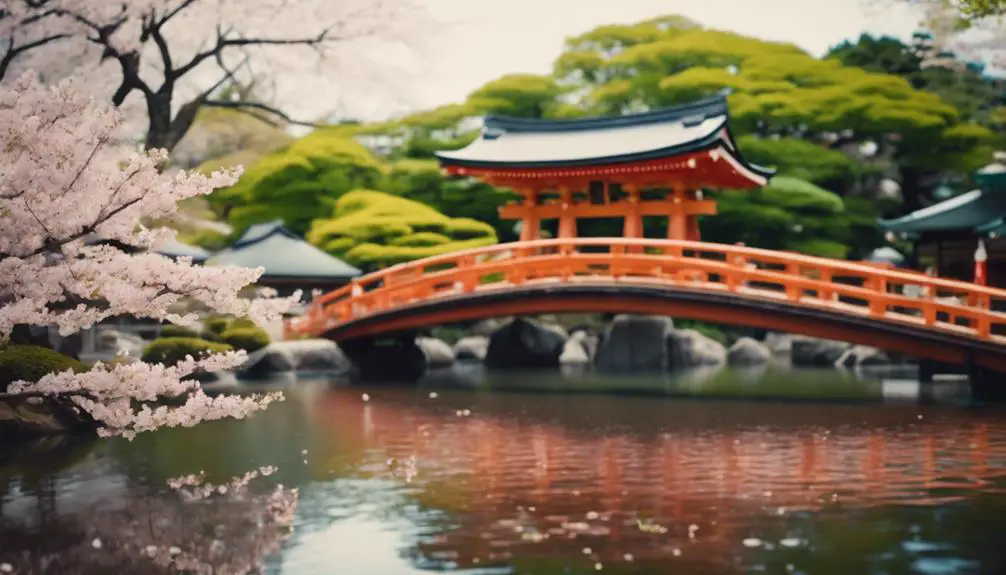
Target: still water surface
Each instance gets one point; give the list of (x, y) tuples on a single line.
[(508, 479)]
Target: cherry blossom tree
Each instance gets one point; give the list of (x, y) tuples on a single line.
[(62, 182), (974, 29), (176, 55)]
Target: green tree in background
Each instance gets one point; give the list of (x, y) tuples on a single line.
[(808, 118), (298, 183), (777, 90), (421, 181)]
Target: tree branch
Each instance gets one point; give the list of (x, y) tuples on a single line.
[(18, 397), (247, 108), (223, 42), (13, 50)]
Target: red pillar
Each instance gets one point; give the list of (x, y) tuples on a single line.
[(633, 227), (530, 224), (567, 222), (677, 225)]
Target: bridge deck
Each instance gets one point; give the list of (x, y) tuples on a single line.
[(831, 288)]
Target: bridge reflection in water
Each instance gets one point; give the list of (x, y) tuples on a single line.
[(662, 482)]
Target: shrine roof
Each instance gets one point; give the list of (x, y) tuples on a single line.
[(977, 211), (537, 143), (282, 254)]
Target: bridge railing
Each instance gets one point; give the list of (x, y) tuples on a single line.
[(838, 285)]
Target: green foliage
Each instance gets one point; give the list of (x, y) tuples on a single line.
[(172, 330), (207, 239), (977, 9), (521, 95), (800, 158), (170, 350), (299, 182), (422, 181), (965, 89), (224, 138), (787, 214), (215, 325), (884, 54), (32, 362), (247, 338), (374, 229)]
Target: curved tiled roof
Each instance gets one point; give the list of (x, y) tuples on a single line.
[(538, 143)]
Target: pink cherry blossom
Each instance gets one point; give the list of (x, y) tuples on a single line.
[(63, 182)]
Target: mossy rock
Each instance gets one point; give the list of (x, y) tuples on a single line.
[(171, 350), (247, 338), (21, 419), (32, 362)]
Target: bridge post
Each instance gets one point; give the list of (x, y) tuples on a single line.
[(394, 358)]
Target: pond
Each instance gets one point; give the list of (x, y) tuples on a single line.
[(537, 474)]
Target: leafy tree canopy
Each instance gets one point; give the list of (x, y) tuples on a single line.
[(787, 214), (299, 182)]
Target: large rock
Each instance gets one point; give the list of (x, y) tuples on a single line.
[(438, 354), (525, 344), (574, 353), (779, 343), (688, 349), (862, 356), (471, 348), (815, 352), (589, 342), (746, 351), (296, 355), (634, 344), (487, 327), (121, 344), (21, 419), (399, 359)]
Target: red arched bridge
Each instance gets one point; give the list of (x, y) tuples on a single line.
[(907, 312)]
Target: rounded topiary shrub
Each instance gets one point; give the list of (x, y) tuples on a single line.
[(171, 350), (31, 362), (247, 338), (172, 330), (216, 325), (241, 323)]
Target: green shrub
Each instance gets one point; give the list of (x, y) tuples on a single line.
[(374, 230), (421, 240), (170, 350), (247, 338), (216, 325), (172, 330), (31, 362)]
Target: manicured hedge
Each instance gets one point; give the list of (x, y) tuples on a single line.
[(172, 330), (170, 350), (247, 338), (31, 362), (374, 229)]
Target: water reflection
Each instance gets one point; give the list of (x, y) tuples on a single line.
[(485, 476), (649, 482)]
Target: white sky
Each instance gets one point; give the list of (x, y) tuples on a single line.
[(489, 38)]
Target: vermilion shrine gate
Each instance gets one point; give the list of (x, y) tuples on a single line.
[(568, 170)]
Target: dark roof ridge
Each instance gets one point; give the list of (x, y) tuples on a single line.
[(706, 108), (274, 227)]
